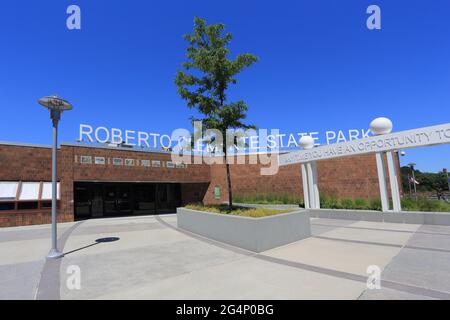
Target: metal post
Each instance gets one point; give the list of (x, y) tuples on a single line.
[(315, 185), (393, 179), (409, 184), (54, 252), (56, 106), (414, 182), (448, 180), (312, 198), (382, 181), (305, 187)]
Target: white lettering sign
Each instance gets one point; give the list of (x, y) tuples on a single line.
[(251, 140), (427, 136)]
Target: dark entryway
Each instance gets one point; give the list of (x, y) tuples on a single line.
[(109, 199)]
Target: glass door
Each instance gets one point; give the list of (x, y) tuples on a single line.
[(97, 200), (82, 202), (110, 197), (144, 198), (168, 195), (124, 199)]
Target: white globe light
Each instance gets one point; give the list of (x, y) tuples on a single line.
[(381, 126), (307, 142)]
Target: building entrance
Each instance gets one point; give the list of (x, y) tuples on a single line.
[(107, 199)]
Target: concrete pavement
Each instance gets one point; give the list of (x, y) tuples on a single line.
[(154, 260)]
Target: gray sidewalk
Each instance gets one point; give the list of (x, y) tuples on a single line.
[(154, 260)]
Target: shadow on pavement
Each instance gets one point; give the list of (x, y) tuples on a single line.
[(97, 241)]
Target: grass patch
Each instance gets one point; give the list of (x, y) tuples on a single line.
[(268, 198), (424, 204), (331, 202), (238, 211)]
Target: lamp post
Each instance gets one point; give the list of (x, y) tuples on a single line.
[(56, 106), (411, 165)]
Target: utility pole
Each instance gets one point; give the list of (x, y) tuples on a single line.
[(411, 165)]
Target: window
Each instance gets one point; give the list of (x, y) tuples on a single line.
[(169, 164), (145, 163), (129, 162), (156, 163), (117, 161), (46, 204), (100, 160), (86, 159), (8, 190), (7, 206), (180, 165), (31, 195), (47, 191), (29, 191), (27, 205)]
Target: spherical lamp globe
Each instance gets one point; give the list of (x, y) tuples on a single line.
[(381, 126), (307, 142)]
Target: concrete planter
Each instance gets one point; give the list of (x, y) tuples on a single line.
[(412, 217), (254, 234)]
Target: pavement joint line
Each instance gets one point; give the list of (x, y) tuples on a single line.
[(331, 272), (375, 229), (208, 240), (359, 278), (49, 285), (383, 244), (98, 220), (359, 242)]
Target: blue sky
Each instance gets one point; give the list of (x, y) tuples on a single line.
[(320, 68)]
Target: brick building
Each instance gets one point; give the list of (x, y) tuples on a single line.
[(100, 181)]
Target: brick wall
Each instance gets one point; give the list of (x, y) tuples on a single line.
[(354, 177), (349, 177), (194, 175), (27, 163)]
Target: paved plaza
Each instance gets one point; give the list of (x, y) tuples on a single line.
[(152, 259)]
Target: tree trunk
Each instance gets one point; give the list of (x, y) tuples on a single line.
[(230, 193)]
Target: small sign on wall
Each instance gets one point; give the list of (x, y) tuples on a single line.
[(217, 193)]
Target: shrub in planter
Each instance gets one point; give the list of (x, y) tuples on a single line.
[(361, 204), (375, 204), (347, 204), (329, 202)]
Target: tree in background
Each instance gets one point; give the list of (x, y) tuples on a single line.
[(206, 79), (428, 181)]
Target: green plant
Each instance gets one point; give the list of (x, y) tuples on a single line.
[(237, 211), (361, 204), (425, 204), (268, 198), (205, 82), (428, 181), (375, 204), (347, 203), (409, 204), (329, 202)]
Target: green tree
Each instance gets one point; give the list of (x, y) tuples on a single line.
[(206, 78), (428, 181)]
